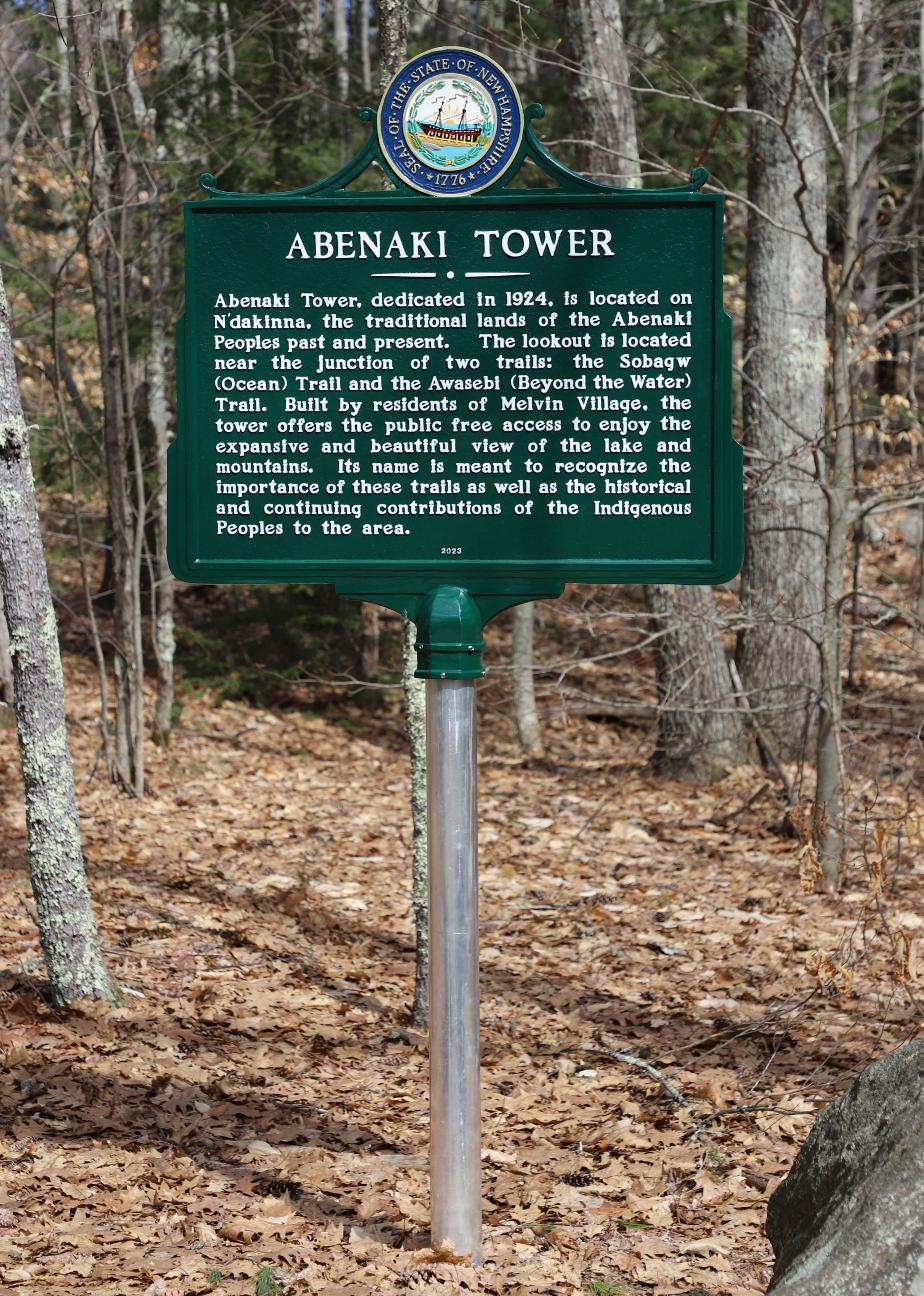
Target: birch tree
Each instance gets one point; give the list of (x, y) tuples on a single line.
[(415, 723), (784, 369), (67, 927)]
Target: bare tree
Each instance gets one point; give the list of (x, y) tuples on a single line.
[(6, 661), (161, 582), (112, 189), (359, 36), (784, 370), (701, 731), (67, 927), (605, 144), (415, 722), (392, 37), (700, 728), (524, 689), (392, 15), (341, 38)]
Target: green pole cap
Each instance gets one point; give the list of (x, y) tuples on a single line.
[(450, 637)]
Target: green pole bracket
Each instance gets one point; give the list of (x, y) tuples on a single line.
[(450, 638)]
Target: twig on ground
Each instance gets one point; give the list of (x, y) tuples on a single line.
[(751, 1107), (629, 1059), (733, 814)]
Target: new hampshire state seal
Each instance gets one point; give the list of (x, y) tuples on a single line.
[(450, 122)]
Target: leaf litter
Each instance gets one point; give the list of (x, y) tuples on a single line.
[(663, 1012)]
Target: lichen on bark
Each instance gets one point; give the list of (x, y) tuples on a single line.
[(67, 927)]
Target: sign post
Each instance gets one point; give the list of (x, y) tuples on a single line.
[(450, 397), (455, 1103)]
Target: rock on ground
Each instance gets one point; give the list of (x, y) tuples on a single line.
[(848, 1220)]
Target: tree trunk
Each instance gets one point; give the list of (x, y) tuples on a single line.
[(7, 33), (162, 581), (918, 629), (829, 831), (112, 190), (784, 374), (67, 928), (392, 38), (163, 593), (392, 53), (227, 45), (453, 23), (6, 661), (342, 76), (211, 62), (369, 641), (829, 826), (359, 38), (63, 76), (492, 29), (524, 692), (700, 728), (605, 144), (415, 721), (872, 249), (602, 110)]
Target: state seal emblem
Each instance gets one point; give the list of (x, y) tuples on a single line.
[(450, 123)]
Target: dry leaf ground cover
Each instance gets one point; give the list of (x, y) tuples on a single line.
[(254, 1117)]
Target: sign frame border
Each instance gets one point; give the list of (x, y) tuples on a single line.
[(401, 583)]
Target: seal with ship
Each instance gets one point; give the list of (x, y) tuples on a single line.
[(450, 122)]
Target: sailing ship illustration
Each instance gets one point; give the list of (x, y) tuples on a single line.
[(452, 132)]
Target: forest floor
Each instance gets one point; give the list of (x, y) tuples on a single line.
[(254, 1118)]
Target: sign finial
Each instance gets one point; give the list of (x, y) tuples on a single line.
[(450, 122)]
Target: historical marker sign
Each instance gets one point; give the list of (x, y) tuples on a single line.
[(496, 388), (449, 398)]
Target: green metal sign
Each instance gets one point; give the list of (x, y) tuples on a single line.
[(461, 398)]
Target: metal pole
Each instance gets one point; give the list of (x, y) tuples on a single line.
[(455, 1100)]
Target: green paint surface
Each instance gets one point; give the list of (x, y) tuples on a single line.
[(507, 434)]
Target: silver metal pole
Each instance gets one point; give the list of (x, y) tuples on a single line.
[(455, 1100)]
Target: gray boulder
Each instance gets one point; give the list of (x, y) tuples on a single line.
[(848, 1219)]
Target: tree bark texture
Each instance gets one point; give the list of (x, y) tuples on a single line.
[(829, 765), (111, 192), (369, 641), (392, 16), (415, 722), (359, 38), (784, 372), (700, 727), (843, 515), (58, 16), (162, 581), (606, 143), (67, 928), (341, 38), (6, 661), (524, 692), (7, 34)]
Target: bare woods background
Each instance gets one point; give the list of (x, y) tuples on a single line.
[(809, 118)]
